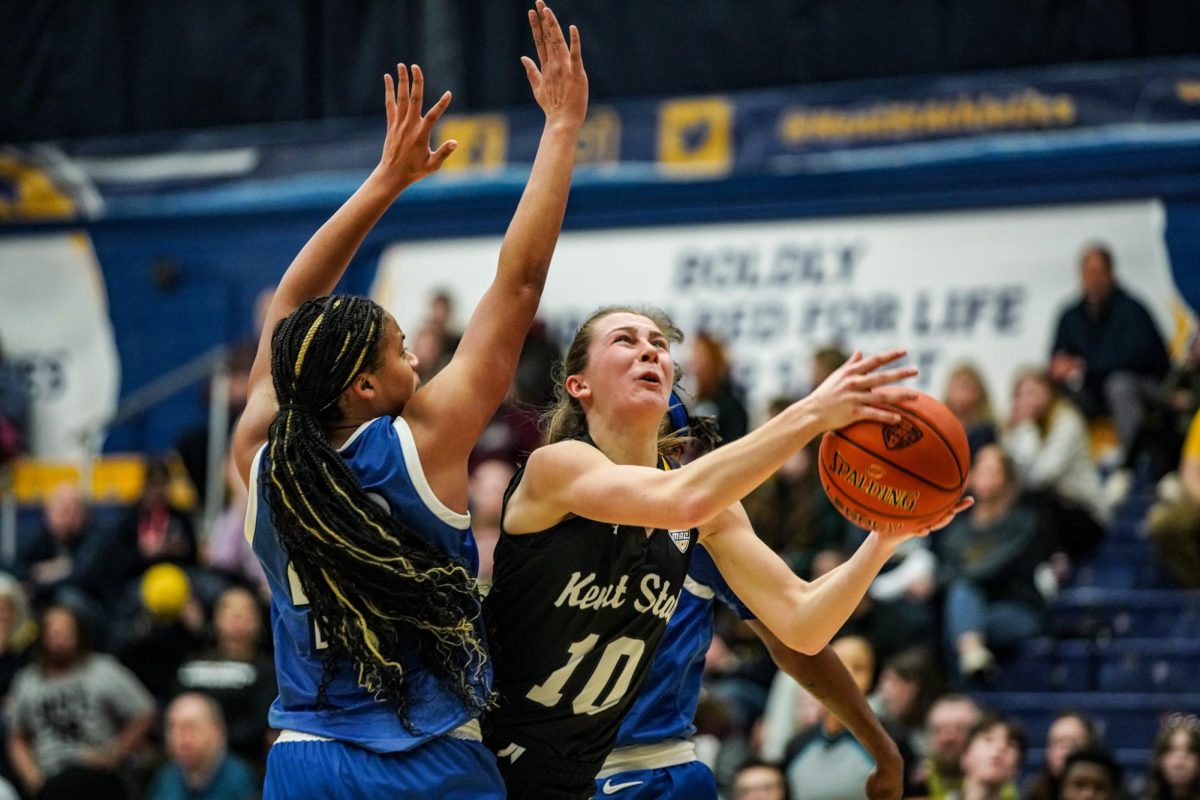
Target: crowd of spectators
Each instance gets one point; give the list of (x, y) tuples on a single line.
[(134, 659)]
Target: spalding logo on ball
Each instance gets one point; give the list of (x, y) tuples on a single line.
[(897, 478)]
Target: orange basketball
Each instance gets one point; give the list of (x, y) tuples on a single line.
[(897, 478)]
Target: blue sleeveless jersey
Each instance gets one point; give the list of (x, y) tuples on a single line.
[(666, 706), (383, 456)]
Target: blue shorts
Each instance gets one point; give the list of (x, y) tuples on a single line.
[(444, 768), (688, 781)]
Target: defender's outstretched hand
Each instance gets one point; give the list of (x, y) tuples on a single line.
[(407, 156), (560, 86)]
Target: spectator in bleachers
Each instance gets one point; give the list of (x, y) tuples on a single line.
[(1175, 762), (156, 626), (237, 672), (760, 780), (988, 562), (1182, 386), (17, 632), (947, 726), (1069, 732), (1090, 774), (1048, 441), (75, 716), (437, 337), (992, 760), (1108, 352), (790, 511), (486, 486), (967, 396), (827, 762), (154, 530), (64, 560), (201, 768), (14, 411), (1174, 522), (715, 393), (908, 684)]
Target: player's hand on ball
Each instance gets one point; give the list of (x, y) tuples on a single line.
[(858, 390), (936, 525)]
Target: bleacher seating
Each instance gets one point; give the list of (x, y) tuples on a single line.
[(1124, 650)]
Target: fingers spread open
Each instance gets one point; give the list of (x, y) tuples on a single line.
[(874, 379), (879, 359), (435, 113), (442, 153)]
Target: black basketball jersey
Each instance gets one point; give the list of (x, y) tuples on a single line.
[(576, 613)]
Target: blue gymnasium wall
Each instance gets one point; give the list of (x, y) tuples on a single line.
[(1016, 138), (226, 260)]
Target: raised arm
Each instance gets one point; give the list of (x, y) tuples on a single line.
[(824, 676), (320, 263), (448, 415), (574, 478)]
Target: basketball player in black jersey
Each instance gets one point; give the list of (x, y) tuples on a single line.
[(597, 532)]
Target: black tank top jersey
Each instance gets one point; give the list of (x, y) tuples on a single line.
[(576, 613)]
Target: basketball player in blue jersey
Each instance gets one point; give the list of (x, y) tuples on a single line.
[(585, 577), (358, 507), (654, 758)]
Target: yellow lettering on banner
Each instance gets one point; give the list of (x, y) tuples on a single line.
[(600, 138), (482, 141), (695, 136), (36, 196), (118, 478), (1026, 109)]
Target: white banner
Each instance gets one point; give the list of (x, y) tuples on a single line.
[(985, 287), (54, 325)]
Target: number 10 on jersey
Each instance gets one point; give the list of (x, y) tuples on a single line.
[(624, 653)]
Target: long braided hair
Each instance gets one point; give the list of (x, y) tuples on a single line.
[(379, 593)]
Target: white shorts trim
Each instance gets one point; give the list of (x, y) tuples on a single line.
[(469, 730), (648, 756), (286, 736)]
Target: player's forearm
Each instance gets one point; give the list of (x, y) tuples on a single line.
[(830, 600), (533, 233), (321, 262)]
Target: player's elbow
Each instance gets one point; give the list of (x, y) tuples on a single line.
[(691, 510), (804, 642)]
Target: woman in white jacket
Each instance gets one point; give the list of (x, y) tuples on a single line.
[(1048, 440)]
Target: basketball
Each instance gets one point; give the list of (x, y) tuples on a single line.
[(897, 478)]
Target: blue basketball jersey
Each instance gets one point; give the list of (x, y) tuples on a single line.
[(383, 457), (666, 706)]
